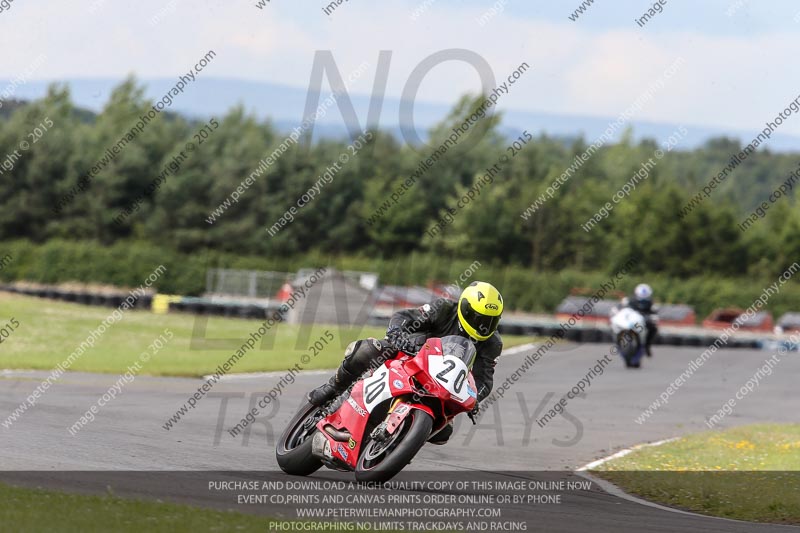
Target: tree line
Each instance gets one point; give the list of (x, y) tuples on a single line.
[(491, 228)]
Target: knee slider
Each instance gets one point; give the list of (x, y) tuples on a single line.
[(360, 357), (351, 348)]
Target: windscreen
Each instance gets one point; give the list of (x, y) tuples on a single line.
[(459, 347)]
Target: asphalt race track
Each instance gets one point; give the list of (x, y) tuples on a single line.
[(128, 434)]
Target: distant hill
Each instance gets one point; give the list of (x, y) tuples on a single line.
[(285, 105)]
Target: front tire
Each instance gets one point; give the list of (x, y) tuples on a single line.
[(293, 451), (382, 461), (628, 343)]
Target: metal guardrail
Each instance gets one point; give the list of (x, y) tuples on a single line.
[(256, 284)]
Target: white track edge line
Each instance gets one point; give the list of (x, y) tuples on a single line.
[(614, 490), (623, 453), (271, 374)]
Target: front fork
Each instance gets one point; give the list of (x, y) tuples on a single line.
[(401, 407), (381, 431)]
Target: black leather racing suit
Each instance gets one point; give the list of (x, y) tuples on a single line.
[(440, 318), (648, 311), (436, 319)]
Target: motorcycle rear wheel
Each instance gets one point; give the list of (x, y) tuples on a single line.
[(382, 461), (293, 451)]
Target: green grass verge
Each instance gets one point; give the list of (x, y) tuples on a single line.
[(50, 330), (33, 510), (747, 473), (25, 510)]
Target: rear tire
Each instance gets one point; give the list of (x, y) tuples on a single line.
[(413, 433), (293, 451)]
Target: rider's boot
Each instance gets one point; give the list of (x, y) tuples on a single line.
[(326, 392), (442, 436)]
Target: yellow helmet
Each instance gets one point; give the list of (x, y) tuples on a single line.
[(479, 310)]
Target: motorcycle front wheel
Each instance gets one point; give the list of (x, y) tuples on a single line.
[(382, 460), (629, 345)]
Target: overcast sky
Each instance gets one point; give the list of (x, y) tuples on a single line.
[(739, 70)]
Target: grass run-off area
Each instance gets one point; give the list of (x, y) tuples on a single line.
[(33, 510), (49, 331), (746, 473)]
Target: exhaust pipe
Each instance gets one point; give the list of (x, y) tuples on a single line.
[(338, 435), (320, 447)]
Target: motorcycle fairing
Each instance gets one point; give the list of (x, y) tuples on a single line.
[(393, 380)]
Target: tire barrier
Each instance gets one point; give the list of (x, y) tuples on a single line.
[(80, 297), (198, 306), (591, 334), (206, 306), (601, 334)]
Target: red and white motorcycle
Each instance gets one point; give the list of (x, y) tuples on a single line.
[(378, 427)]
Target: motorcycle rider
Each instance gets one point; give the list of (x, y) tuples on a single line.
[(474, 316), (642, 302)]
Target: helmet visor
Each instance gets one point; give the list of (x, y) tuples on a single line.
[(485, 325)]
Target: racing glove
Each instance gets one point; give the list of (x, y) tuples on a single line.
[(401, 340)]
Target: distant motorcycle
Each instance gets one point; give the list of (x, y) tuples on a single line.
[(629, 328), (377, 427)]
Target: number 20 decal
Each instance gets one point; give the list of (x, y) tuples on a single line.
[(373, 389), (460, 377), (376, 389), (450, 367), (451, 373)]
